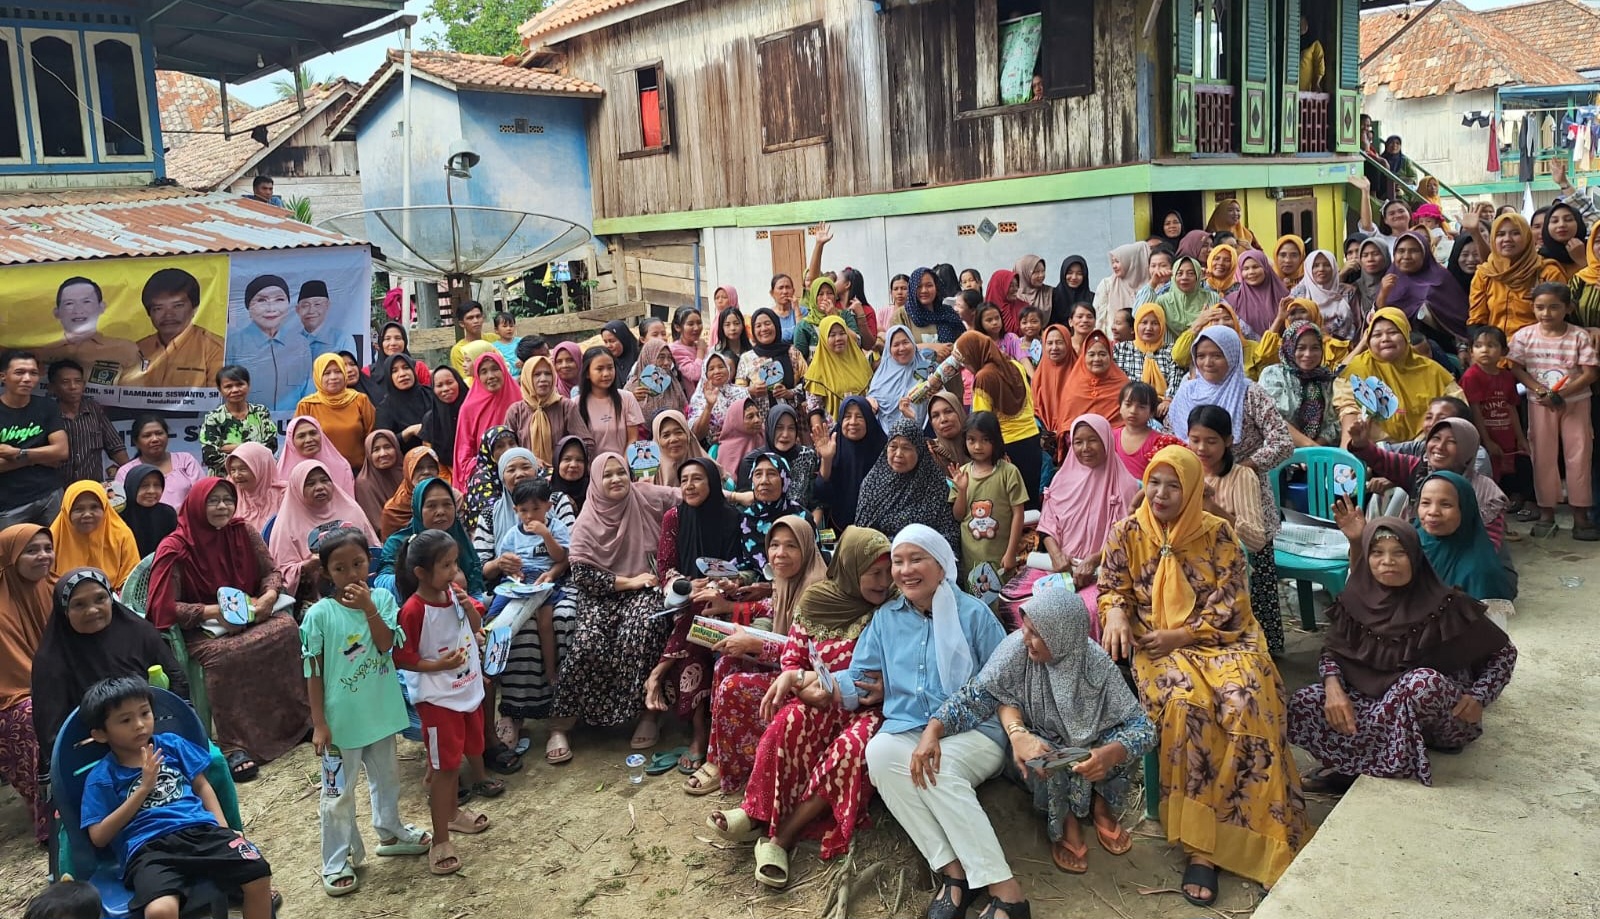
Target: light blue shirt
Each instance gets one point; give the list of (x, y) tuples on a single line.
[(280, 366), (899, 644), (329, 340), (531, 548)]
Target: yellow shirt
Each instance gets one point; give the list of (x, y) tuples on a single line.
[(1313, 67), (1255, 355), (105, 360), (1013, 428), (192, 360)]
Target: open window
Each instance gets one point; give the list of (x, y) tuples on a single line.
[(793, 70), (641, 112), (60, 117), (114, 67), (1029, 50), (11, 129)]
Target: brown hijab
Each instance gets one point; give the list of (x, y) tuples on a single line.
[(1378, 633), (374, 487), (993, 372), (834, 607), (786, 592), (24, 610), (396, 514)]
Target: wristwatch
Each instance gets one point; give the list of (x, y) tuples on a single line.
[(22, 455)]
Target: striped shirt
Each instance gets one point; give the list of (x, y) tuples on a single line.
[(90, 437)]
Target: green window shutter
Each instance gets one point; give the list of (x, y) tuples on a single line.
[(1347, 70), (1289, 99), (1182, 113), (1255, 92)]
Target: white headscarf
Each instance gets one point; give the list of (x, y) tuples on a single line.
[(949, 640), (1337, 319)]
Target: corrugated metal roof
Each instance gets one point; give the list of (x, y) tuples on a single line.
[(217, 222)]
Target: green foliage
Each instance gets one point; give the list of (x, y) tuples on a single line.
[(300, 208), (304, 77), (480, 26)]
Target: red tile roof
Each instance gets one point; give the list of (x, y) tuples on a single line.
[(1452, 49), (190, 103), (564, 13), (1566, 31), (207, 161)]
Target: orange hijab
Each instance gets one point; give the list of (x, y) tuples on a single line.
[(1088, 394), (1050, 387)]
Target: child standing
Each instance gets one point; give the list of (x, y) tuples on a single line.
[(439, 626), (505, 330), (1492, 392), (356, 708), (1136, 441), (992, 323), (1557, 362), (990, 499), (539, 542), (149, 800), (1031, 323)]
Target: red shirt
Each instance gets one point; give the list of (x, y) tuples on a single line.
[(1495, 398)]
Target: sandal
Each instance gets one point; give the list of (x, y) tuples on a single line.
[(1069, 858), (1529, 513), (1544, 529), (1586, 532), (1204, 876), (442, 860), (1019, 910), (332, 887), (503, 761), (468, 823), (645, 735), (772, 864), (689, 763), (1327, 783), (556, 749), (706, 779), (242, 766), (736, 826), (415, 841), (665, 761), (489, 788), (944, 905)]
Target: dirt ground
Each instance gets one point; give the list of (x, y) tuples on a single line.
[(580, 840)]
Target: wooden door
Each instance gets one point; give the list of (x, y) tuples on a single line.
[(789, 255)]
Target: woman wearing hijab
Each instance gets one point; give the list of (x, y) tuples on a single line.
[(782, 429), (1456, 540), (392, 340), (822, 303), (619, 637), (1148, 357), (1005, 291), (1502, 288), (345, 415), (1414, 380), (1289, 259), (742, 433), (1564, 241), (1335, 300), (845, 458), (571, 474), (1259, 294), (934, 323), (1174, 598), (1093, 385), (484, 407), (838, 368), (1261, 438), (1031, 291), (1182, 302), (947, 429), (1408, 665), (1053, 687), (1000, 385), (543, 416), (1418, 282), (676, 445), (926, 644), (715, 395), (907, 485), (658, 354), (151, 523), (768, 349), (1050, 392), (259, 708), (380, 476), (1301, 386), (902, 368), (448, 393), (406, 399), (27, 554), (1170, 229), (433, 507), (1449, 445), (1196, 244), (770, 485), (567, 358), (307, 443), (88, 535), (420, 464), (1228, 216), (623, 345), (1130, 269), (1373, 261), (1071, 289), (1222, 274), (259, 489), (311, 500), (484, 488)]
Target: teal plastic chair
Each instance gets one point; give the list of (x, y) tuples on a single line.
[(1320, 464)]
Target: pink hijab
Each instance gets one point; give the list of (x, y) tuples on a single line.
[(620, 536), (1081, 503), (1257, 306), (296, 520), (257, 505), (480, 411), (576, 353), (736, 442), (338, 467)]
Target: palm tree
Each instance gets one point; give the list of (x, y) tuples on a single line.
[(302, 77)]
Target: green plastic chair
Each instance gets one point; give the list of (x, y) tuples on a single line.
[(1319, 463), (136, 596)]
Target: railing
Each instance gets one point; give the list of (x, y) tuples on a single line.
[(1314, 123), (1214, 125), (1382, 167)]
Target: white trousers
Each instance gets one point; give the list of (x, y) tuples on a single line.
[(341, 838), (945, 820)]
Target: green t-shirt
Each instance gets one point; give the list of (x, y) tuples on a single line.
[(991, 501), (360, 688)]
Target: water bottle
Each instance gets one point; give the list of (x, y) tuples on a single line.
[(635, 764), (158, 677)]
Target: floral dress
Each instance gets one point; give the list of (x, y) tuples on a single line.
[(739, 684), (219, 428), (612, 649), (726, 396), (808, 753)]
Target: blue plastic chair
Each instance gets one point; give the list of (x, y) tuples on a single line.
[(74, 756), (1319, 463)]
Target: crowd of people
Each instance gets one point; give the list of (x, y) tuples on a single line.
[(989, 526)]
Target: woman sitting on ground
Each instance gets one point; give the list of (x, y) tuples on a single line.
[(88, 535), (28, 554), (151, 437), (1053, 687), (147, 518), (1174, 597), (1407, 666), (907, 485)]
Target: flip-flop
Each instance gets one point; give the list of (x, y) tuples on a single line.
[(440, 854), (468, 823), (706, 780), (489, 788), (665, 761), (1200, 876), (690, 764), (238, 769), (522, 746), (335, 890), (551, 746), (503, 761), (1117, 843), (1061, 848), (416, 841)]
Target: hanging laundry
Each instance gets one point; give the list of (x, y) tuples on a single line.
[(1494, 150), (1527, 147), (1547, 132)]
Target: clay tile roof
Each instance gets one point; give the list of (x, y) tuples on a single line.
[(1452, 49), (565, 13), (206, 161), (1566, 31), (190, 103)]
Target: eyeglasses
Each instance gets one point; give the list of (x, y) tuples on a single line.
[(220, 501)]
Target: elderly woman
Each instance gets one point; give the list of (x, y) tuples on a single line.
[(308, 443), (252, 673), (907, 485), (28, 554), (1174, 597), (346, 416), (381, 473), (1054, 688), (921, 647), (87, 534), (658, 354), (783, 441), (1414, 380), (545, 414), (809, 779), (1408, 666), (311, 500), (1093, 386), (151, 438), (236, 421), (1301, 387), (254, 475), (770, 486), (709, 405), (147, 518)]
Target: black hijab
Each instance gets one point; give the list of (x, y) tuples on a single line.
[(778, 350), (1461, 276), (377, 344), (69, 662), (150, 525), (575, 491), (1551, 249), (630, 346), (401, 408), (1161, 229), (851, 463), (364, 384), (1064, 297), (439, 424), (710, 530)]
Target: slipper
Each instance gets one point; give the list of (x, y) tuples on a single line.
[(1200, 876), (503, 761), (489, 788), (1117, 842), (522, 746), (1069, 858), (1529, 513), (415, 841), (468, 823), (689, 764), (442, 860), (242, 766), (334, 889), (556, 750), (772, 864), (706, 779), (643, 739), (665, 761), (737, 826)]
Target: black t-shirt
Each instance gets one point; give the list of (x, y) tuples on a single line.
[(29, 428)]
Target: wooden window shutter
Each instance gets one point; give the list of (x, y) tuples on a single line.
[(1069, 42), (1181, 113), (622, 98), (1346, 73), (1289, 99), (792, 72), (1255, 38)]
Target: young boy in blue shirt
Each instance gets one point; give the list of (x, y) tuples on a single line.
[(150, 801)]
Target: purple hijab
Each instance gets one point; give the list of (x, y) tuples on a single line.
[(1257, 306), (1432, 286)]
